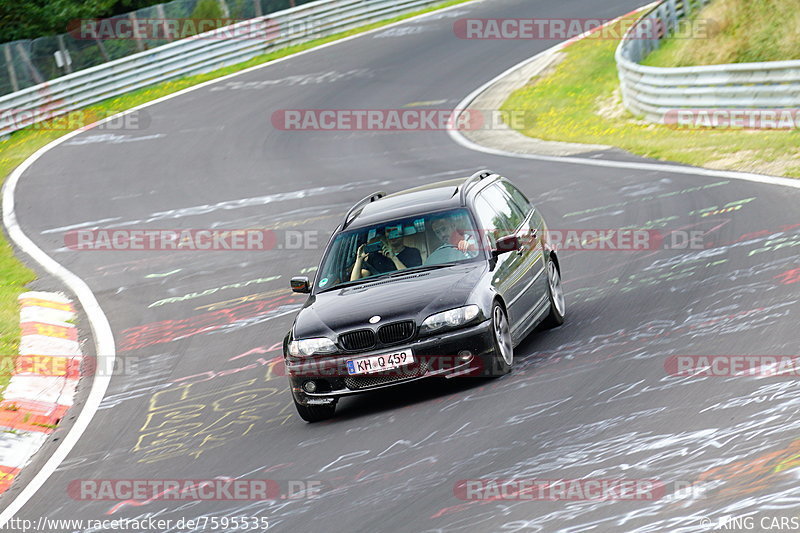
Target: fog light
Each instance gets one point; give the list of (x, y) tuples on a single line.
[(464, 356), (309, 386)]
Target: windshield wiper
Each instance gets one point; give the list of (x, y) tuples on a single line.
[(420, 269), (347, 284), (393, 274)]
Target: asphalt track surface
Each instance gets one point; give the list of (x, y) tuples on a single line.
[(590, 399)]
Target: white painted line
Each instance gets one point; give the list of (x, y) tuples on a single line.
[(456, 136), (103, 336), (101, 330)]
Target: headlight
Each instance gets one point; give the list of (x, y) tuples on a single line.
[(451, 319), (306, 347)]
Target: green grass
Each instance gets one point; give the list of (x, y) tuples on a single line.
[(21, 144), (579, 101), (14, 276), (739, 31)]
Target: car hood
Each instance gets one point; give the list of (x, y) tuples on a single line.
[(413, 296)]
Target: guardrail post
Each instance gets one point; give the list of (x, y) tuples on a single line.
[(65, 54), (12, 75), (139, 43), (163, 16), (672, 17), (226, 13), (37, 77), (102, 49)]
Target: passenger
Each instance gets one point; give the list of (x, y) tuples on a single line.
[(394, 255)]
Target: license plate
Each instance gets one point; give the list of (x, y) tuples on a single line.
[(379, 363)]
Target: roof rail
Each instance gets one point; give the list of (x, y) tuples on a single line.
[(472, 180), (360, 205)]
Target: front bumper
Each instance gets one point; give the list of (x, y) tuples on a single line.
[(449, 354)]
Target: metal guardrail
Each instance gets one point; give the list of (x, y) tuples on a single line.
[(194, 55), (28, 62), (655, 92)]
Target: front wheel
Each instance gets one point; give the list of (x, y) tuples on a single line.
[(500, 361), (556, 295), (314, 413)]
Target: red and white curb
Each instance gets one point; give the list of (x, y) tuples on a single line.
[(44, 378)]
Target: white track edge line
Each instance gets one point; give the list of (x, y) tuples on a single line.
[(675, 168), (101, 329)]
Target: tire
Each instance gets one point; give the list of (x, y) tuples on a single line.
[(501, 360), (314, 413), (556, 295)]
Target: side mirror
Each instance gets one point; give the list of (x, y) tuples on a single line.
[(509, 243), (301, 284)]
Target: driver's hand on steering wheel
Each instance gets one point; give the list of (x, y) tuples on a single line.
[(467, 244)]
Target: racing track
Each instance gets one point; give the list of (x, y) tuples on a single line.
[(590, 399)]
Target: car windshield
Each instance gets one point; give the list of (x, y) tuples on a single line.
[(421, 241)]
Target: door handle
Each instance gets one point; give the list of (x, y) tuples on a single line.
[(532, 239)]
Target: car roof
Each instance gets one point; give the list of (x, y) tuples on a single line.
[(409, 202)]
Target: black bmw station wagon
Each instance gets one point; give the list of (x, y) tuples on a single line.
[(440, 280)]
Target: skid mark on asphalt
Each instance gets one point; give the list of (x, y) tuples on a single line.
[(213, 290), (605, 447), (256, 201), (687, 456), (316, 78), (401, 31), (164, 331)]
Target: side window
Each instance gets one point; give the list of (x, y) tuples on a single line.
[(496, 215), (516, 195), (489, 219), (510, 215)]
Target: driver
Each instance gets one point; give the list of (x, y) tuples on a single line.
[(456, 245), (394, 255)]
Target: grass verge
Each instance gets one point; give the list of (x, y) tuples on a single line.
[(579, 101), (21, 144), (735, 31)]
